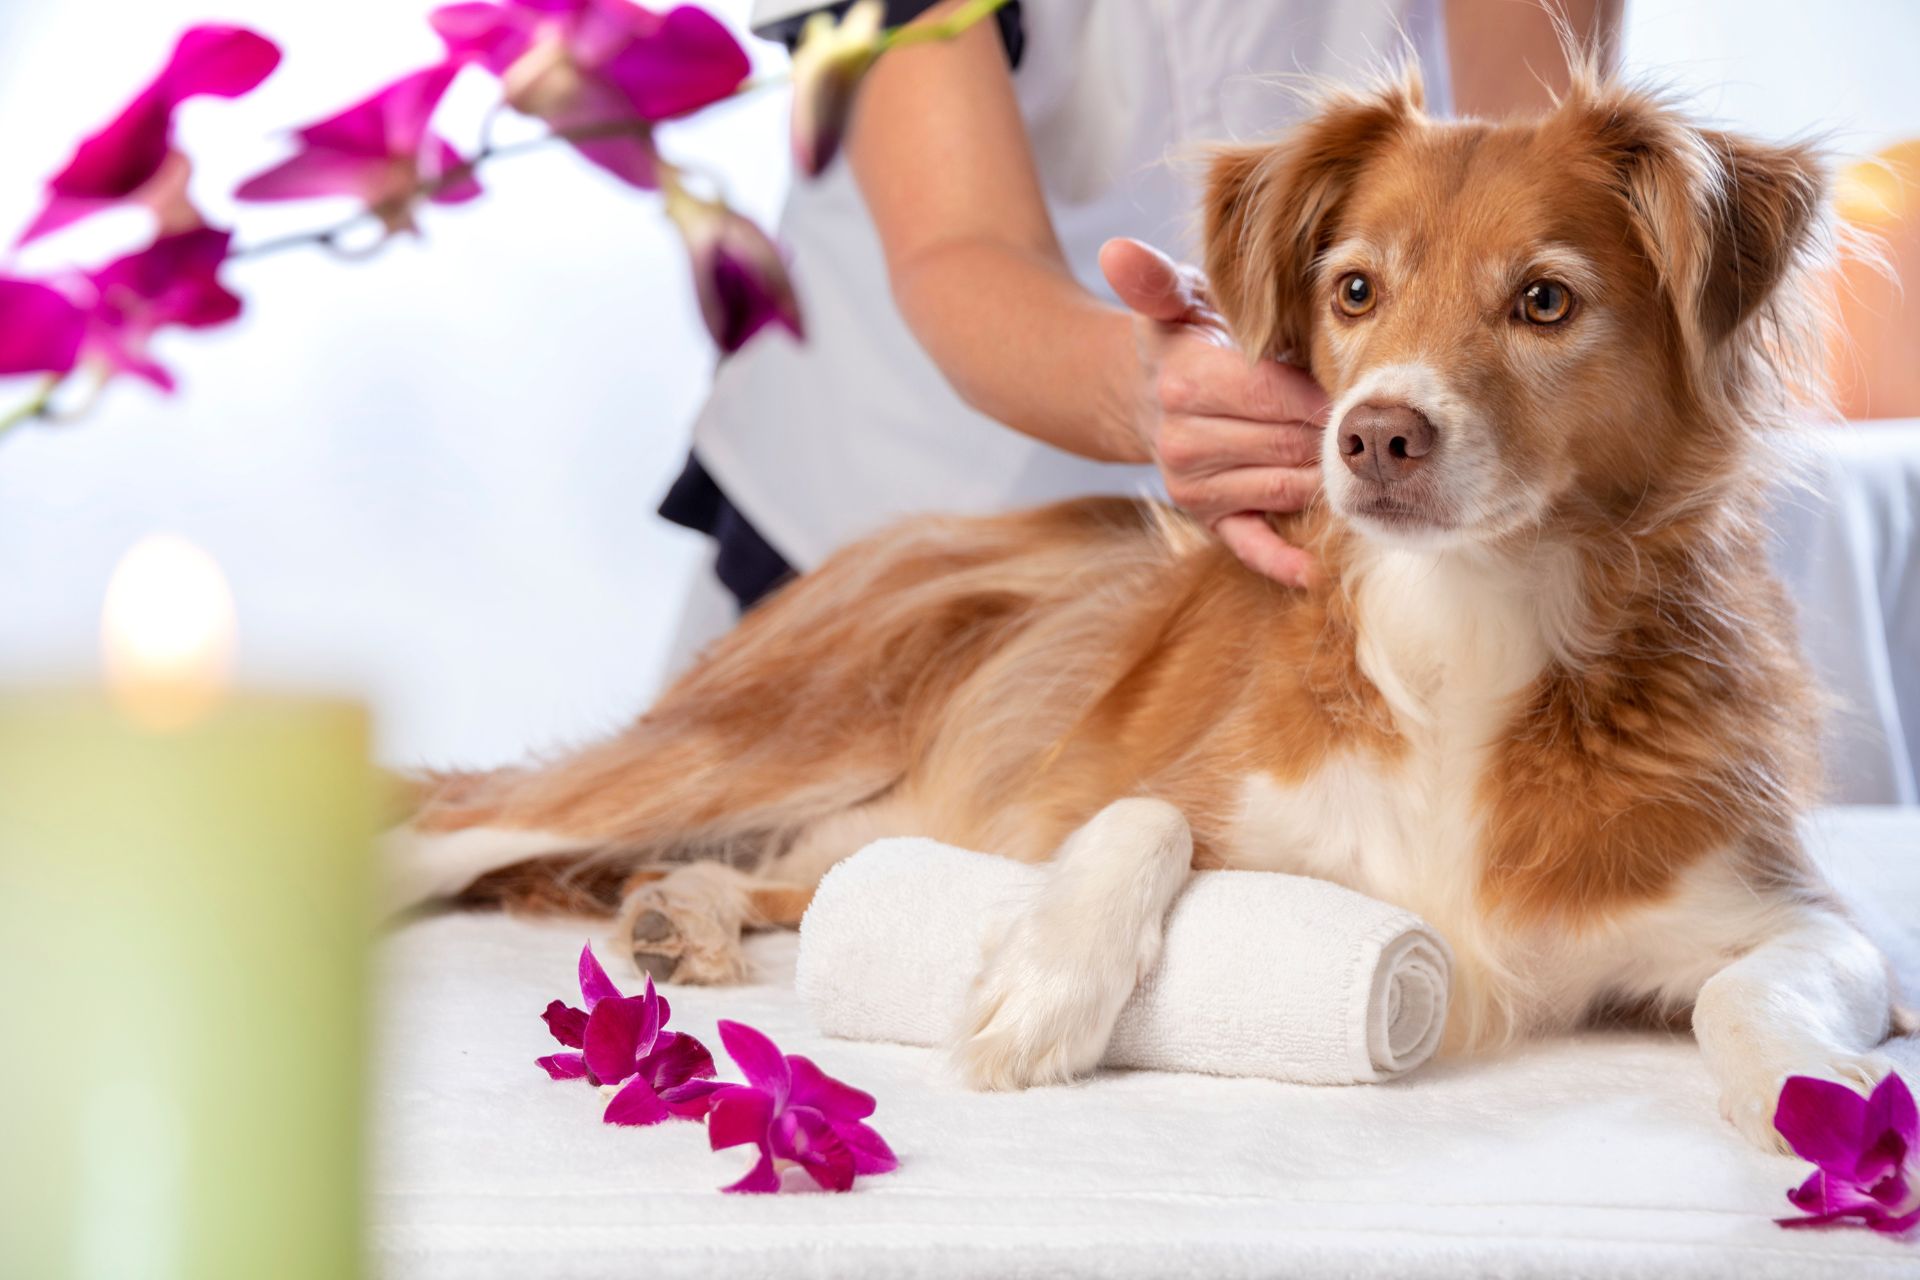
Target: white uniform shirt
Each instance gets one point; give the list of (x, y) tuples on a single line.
[(819, 443)]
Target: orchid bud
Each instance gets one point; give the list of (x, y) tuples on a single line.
[(828, 64), (737, 271)]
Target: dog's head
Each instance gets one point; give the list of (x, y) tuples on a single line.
[(1517, 321)]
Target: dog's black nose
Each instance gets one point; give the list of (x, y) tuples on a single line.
[(1385, 443)]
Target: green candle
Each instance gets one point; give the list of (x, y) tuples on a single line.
[(185, 913)]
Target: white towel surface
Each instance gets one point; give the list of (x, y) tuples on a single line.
[(1261, 974), (1600, 1156)]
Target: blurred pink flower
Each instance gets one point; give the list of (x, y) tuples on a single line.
[(1867, 1153), (832, 57), (172, 282), (737, 272), (40, 328), (379, 151), (622, 1040), (791, 1110), (582, 63), (131, 160)]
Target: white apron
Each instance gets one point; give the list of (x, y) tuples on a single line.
[(822, 442)]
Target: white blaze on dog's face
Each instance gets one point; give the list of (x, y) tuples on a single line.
[(1451, 365), (1513, 321)]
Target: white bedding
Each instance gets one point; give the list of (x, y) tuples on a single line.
[(1596, 1156)]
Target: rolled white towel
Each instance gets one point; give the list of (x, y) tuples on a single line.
[(1261, 974)]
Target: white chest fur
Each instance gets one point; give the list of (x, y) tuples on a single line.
[(1450, 639)]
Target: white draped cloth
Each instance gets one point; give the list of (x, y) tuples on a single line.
[(1848, 543)]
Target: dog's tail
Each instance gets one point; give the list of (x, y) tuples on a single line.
[(805, 710)]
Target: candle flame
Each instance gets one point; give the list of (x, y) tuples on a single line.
[(166, 632)]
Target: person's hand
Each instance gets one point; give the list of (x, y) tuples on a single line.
[(1233, 440)]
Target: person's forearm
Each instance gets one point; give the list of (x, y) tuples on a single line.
[(1024, 343), (1507, 57)]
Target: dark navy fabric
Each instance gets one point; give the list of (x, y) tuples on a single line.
[(1012, 32), (747, 564)]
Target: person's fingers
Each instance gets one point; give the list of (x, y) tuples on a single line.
[(1249, 536), (1211, 381), (1204, 379), (1189, 446), (1277, 489), (1147, 281)]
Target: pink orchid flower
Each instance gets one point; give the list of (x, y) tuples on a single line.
[(621, 1041), (582, 63), (379, 151), (40, 328), (791, 1110), (737, 272), (173, 282), (132, 159), (1867, 1151)]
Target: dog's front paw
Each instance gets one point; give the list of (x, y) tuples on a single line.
[(1041, 1012), (1749, 1103)]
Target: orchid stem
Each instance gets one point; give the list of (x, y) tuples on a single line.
[(329, 237), (965, 16), (36, 406)]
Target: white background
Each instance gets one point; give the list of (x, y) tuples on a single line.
[(431, 477)]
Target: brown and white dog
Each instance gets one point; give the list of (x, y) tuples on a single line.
[(1547, 694)]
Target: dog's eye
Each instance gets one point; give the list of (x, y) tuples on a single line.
[(1353, 294), (1545, 302)]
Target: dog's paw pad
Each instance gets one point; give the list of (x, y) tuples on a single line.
[(676, 934), (655, 942)]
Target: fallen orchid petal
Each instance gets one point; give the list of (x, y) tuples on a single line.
[(758, 1058), (1866, 1152), (623, 1038), (676, 1059), (790, 1110), (806, 1137), (762, 1179), (564, 1066), (620, 1031), (568, 1024), (739, 1115), (692, 1100), (636, 1104), (595, 985)]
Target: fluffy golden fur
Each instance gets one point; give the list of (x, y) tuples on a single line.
[(1545, 693)]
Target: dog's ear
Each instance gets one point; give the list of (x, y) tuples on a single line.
[(1270, 211), (1724, 219)]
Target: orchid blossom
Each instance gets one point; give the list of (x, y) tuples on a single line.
[(174, 282), (1866, 1152), (789, 1109), (620, 1043), (40, 328), (737, 271), (379, 151), (600, 73), (591, 66), (132, 159)]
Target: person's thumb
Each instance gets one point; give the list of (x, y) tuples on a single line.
[(1146, 280)]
